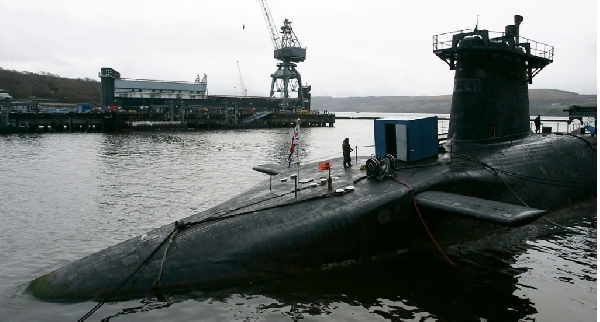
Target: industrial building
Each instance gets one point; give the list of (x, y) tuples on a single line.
[(161, 96)]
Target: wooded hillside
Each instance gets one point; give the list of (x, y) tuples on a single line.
[(27, 85)]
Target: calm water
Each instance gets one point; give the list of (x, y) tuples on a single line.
[(64, 196)]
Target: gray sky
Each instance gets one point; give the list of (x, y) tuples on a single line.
[(354, 48)]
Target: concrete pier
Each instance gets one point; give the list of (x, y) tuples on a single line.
[(115, 121)]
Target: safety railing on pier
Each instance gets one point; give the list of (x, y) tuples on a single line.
[(538, 49)]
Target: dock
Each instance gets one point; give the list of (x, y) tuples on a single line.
[(117, 121)]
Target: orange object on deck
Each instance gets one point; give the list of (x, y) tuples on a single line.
[(324, 166)]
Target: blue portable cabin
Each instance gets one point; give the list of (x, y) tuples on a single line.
[(408, 138), (83, 107)]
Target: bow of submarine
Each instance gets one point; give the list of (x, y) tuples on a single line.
[(285, 236)]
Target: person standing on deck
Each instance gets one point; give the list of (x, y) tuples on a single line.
[(537, 122), (347, 149)]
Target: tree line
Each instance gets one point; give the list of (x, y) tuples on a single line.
[(25, 86)]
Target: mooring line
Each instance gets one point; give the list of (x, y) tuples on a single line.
[(179, 225), (497, 172), (109, 296), (423, 221)]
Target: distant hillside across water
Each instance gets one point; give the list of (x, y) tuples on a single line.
[(27, 85), (549, 102)]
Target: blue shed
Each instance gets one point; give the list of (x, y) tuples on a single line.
[(83, 107), (409, 138)]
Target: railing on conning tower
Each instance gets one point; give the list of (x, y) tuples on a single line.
[(536, 48), (447, 44)]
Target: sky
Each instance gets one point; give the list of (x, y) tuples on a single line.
[(354, 48)]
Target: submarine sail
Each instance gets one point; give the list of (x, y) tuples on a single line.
[(490, 100)]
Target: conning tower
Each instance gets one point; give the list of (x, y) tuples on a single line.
[(490, 101)]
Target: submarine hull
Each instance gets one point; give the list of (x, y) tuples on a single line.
[(273, 230)]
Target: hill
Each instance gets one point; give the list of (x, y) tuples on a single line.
[(27, 85), (541, 101)]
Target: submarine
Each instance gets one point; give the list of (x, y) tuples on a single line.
[(415, 194)]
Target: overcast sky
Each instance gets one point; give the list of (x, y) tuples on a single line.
[(354, 48)]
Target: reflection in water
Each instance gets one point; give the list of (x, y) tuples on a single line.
[(409, 288)]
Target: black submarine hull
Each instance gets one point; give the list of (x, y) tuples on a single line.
[(272, 230)]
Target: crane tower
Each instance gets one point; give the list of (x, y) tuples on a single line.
[(286, 78)]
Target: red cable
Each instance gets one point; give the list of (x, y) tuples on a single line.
[(430, 235), (423, 221), (402, 182)]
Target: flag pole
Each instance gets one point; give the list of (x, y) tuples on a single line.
[(298, 150)]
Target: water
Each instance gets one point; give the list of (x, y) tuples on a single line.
[(65, 196)]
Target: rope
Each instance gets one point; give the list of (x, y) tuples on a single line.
[(179, 226), (497, 172), (547, 181), (360, 179), (544, 218), (156, 284), (109, 296), (423, 221)]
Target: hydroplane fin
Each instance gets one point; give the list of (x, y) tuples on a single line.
[(478, 209), (270, 169)]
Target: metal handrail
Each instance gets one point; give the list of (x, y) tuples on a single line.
[(538, 49)]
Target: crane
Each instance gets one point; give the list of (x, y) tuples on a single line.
[(287, 49), (270, 24), (242, 85)]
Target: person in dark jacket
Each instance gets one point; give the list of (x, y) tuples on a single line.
[(537, 122), (347, 149)]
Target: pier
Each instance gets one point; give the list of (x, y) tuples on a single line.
[(117, 121)]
